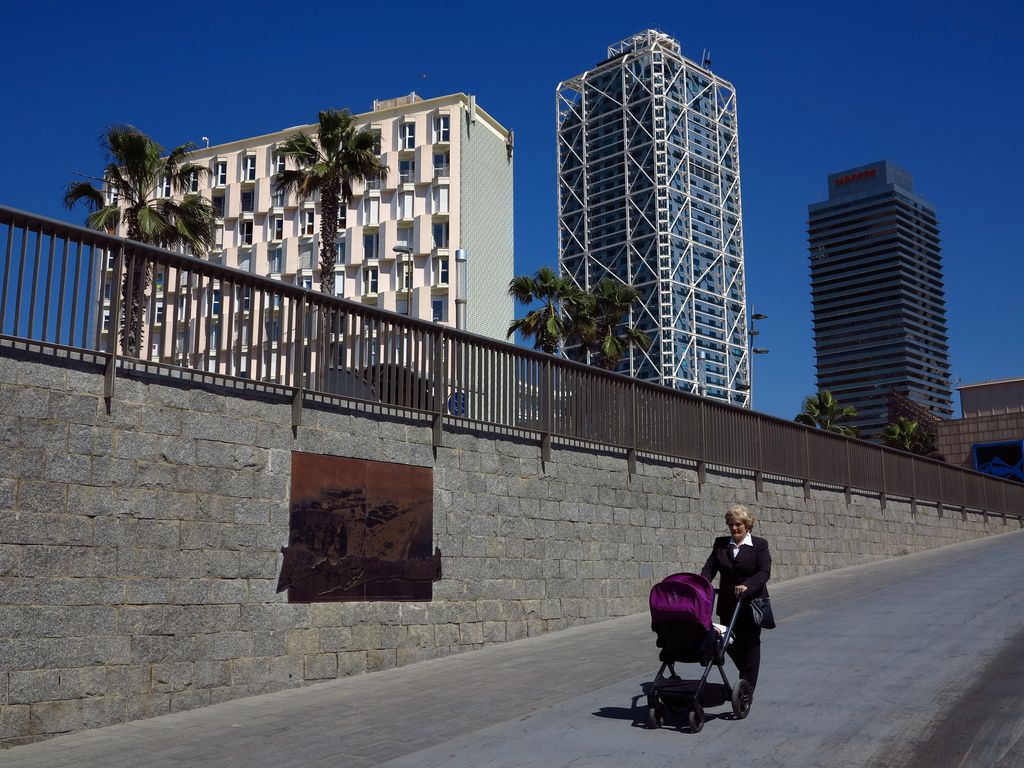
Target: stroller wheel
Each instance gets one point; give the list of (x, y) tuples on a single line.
[(697, 718), (741, 698)]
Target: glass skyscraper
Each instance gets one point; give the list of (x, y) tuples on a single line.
[(878, 296), (649, 194)]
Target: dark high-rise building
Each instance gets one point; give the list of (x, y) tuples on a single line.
[(878, 296)]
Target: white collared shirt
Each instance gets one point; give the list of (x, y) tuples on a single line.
[(734, 548)]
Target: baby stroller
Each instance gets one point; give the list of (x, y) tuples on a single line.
[(681, 617)]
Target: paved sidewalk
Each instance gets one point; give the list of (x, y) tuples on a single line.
[(865, 669)]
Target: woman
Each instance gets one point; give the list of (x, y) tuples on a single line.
[(746, 565)]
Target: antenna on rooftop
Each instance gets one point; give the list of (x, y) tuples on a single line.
[(207, 140), (706, 58)]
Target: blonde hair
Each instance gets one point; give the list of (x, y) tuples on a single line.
[(740, 513)]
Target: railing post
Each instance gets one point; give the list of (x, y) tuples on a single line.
[(963, 488), (807, 465), (113, 325), (849, 476), (299, 361), (547, 415), (913, 486), (758, 472), (440, 388), (883, 495), (702, 468), (631, 451), (938, 504)]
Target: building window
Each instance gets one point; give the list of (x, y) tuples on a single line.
[(306, 259), (371, 210), (218, 237), (437, 310), (193, 181), (308, 222), (217, 201), (342, 214), (248, 200), (441, 270), (404, 236), (277, 200), (440, 230), (408, 135), (245, 232), (273, 329), (442, 128), (279, 163), (307, 283), (106, 320), (276, 260), (215, 302), (107, 286), (407, 171), (221, 173), (370, 245), (158, 313), (370, 276), (339, 252), (440, 199), (165, 187), (249, 168), (158, 281), (277, 228), (405, 201), (441, 164), (405, 276)]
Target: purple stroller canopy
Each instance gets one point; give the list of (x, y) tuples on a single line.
[(685, 596)]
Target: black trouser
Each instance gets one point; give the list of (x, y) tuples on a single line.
[(745, 650)]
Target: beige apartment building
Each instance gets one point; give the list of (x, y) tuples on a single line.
[(448, 191)]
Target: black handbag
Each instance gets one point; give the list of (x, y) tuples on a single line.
[(763, 616)]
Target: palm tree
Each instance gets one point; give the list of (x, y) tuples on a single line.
[(137, 171), (558, 318), (824, 412), (340, 154), (910, 436), (603, 331)]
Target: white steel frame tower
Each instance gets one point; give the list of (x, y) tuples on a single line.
[(649, 193)]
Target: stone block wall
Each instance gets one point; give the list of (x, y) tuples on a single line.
[(140, 547)]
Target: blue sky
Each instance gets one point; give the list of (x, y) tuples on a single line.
[(821, 87)]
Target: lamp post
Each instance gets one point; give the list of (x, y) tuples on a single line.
[(752, 350), (404, 250)]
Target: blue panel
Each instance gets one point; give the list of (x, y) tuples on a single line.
[(1005, 459)]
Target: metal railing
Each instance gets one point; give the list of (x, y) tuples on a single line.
[(70, 287)]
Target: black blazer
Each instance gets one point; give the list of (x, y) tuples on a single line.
[(752, 568)]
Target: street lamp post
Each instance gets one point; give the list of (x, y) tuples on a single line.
[(751, 333)]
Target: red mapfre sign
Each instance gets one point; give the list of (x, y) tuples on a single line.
[(868, 174)]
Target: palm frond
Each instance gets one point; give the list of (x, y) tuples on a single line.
[(105, 219), (83, 192)]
